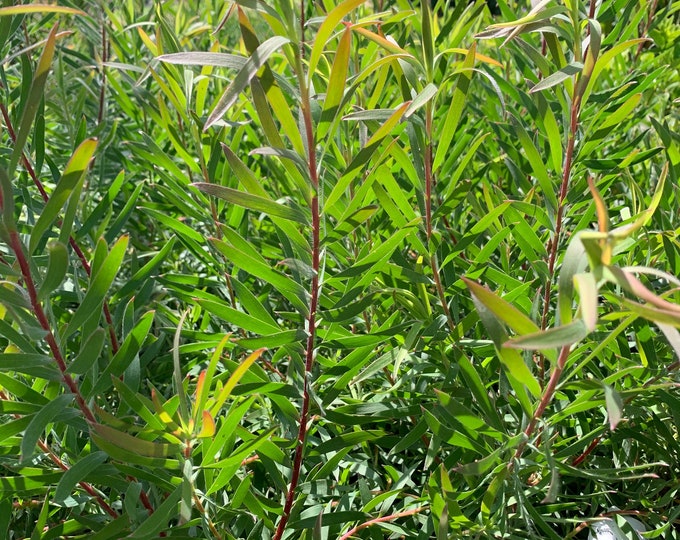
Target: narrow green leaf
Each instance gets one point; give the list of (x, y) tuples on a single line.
[(158, 521), (134, 282), (135, 444), (657, 315), (187, 490), (233, 380), (13, 295), (11, 486), (32, 101), (292, 290), (242, 79), (492, 492), (57, 265), (126, 353), (428, 41), (36, 428), (215, 59), (604, 60), (238, 318), (388, 44), (253, 202), (77, 473), (537, 163), (517, 368), (89, 352), (336, 85), (361, 159), (68, 183), (614, 406), (538, 11), (141, 405), (503, 310), (556, 78), (38, 8), (113, 530), (327, 28), (180, 392), (560, 336), (99, 286), (586, 284), (35, 365), (644, 217), (204, 389), (426, 95), (453, 116)]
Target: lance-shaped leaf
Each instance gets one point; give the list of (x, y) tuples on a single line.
[(243, 78), (177, 372), (573, 263), (604, 61), (626, 230), (233, 380), (327, 28), (77, 473), (502, 310), (68, 183), (32, 101), (253, 202), (126, 353), (556, 78), (336, 85), (215, 59), (361, 159), (135, 444), (655, 314), (158, 521), (537, 162), (455, 111), (38, 8), (98, 287), (89, 352), (57, 265), (388, 44), (586, 285), (560, 336), (614, 405), (36, 428), (488, 306)]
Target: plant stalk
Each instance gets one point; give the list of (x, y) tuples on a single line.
[(305, 106)]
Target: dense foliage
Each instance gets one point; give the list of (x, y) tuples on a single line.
[(334, 270)]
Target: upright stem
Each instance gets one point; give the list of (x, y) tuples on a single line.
[(17, 248), (314, 289), (72, 242), (564, 189), (429, 184), (546, 398)]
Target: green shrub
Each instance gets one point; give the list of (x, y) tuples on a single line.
[(339, 271)]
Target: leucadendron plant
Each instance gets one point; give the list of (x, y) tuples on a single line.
[(332, 270)]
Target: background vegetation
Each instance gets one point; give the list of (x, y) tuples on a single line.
[(339, 270)]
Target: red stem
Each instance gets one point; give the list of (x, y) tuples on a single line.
[(72, 242), (314, 294), (546, 398), (564, 189), (383, 519), (17, 247)]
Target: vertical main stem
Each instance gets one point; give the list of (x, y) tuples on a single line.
[(17, 247), (314, 288), (429, 184), (564, 189), (546, 398)]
